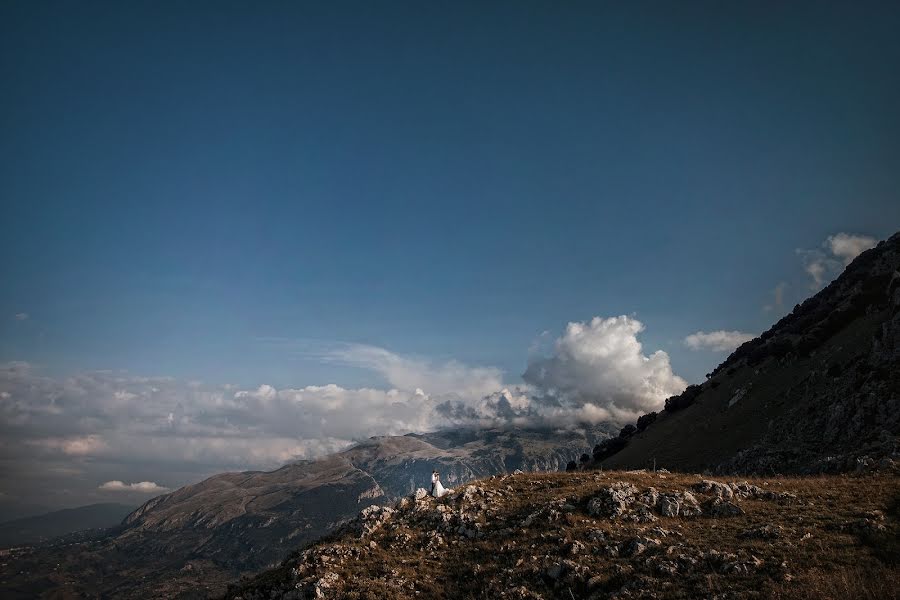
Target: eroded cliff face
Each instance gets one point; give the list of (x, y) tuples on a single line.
[(204, 535)]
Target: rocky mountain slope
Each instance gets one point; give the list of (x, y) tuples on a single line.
[(192, 541), (31, 530), (818, 392), (611, 535)]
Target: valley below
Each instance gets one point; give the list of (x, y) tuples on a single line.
[(194, 541)]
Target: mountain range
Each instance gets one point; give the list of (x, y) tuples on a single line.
[(41, 528), (817, 393), (191, 542)]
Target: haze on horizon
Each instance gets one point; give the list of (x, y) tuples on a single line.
[(236, 237)]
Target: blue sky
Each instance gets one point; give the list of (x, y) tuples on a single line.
[(371, 218), (449, 182), (412, 203)]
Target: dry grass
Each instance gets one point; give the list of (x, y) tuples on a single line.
[(815, 556)]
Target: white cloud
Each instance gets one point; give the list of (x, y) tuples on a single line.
[(406, 373), (144, 487), (718, 341), (837, 252), (22, 316), (847, 247), (598, 371)]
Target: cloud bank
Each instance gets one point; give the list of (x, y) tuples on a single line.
[(94, 431), (717, 341)]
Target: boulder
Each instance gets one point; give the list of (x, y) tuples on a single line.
[(373, 517), (668, 506), (682, 504), (613, 501), (717, 507), (721, 490)]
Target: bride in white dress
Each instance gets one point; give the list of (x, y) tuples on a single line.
[(438, 490)]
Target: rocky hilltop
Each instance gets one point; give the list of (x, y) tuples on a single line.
[(818, 392), (192, 541), (610, 535)]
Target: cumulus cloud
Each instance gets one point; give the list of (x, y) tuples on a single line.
[(598, 371), (22, 316), (836, 252), (144, 487), (718, 341)]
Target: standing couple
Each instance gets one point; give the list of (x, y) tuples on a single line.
[(438, 490)]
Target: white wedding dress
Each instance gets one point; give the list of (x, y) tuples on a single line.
[(439, 490)]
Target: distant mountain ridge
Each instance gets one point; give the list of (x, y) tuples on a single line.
[(818, 392), (40, 528), (196, 539)]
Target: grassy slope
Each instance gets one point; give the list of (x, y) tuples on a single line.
[(512, 560)]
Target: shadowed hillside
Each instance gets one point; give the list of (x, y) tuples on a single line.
[(31, 530), (818, 392)]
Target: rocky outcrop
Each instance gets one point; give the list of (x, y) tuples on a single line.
[(575, 535)]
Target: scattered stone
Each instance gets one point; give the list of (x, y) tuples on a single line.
[(678, 504), (864, 463), (668, 506), (576, 548), (866, 525), (747, 490), (717, 507), (642, 514), (638, 545), (613, 501), (721, 490), (650, 497), (373, 518)]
